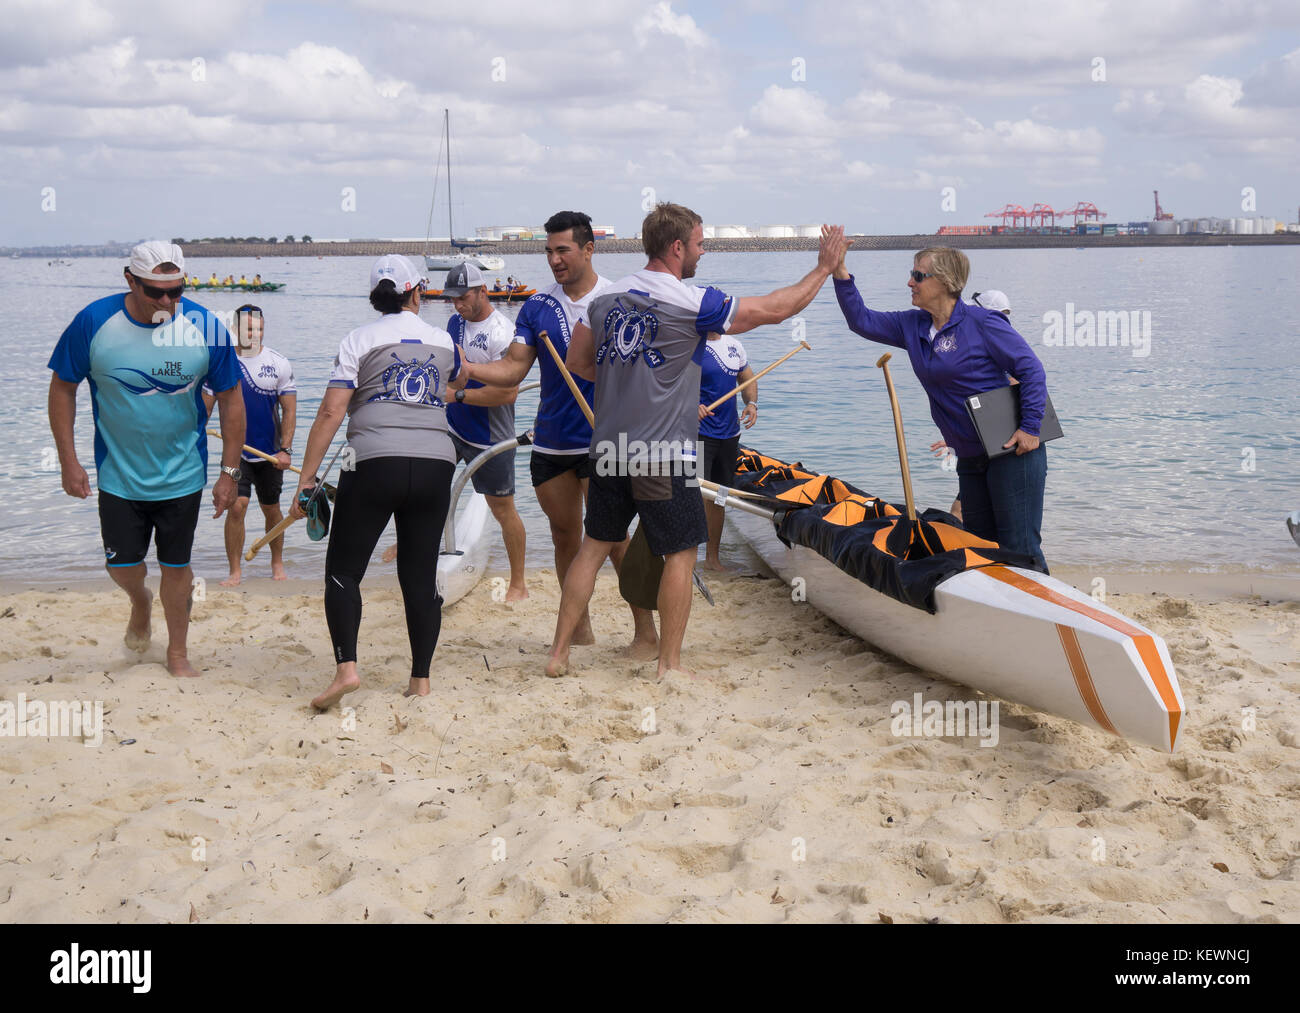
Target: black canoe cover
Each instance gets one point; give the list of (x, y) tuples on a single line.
[(868, 538)]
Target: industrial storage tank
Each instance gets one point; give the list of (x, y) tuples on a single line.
[(1243, 226), (775, 231), (499, 231), (730, 232), (808, 230), (1162, 228), (1265, 226)]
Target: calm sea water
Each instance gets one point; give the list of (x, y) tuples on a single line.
[(1186, 457)]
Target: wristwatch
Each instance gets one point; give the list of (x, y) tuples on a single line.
[(285, 450), (460, 396), (234, 473)]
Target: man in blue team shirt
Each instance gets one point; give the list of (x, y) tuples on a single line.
[(146, 354), (270, 418), (559, 460)]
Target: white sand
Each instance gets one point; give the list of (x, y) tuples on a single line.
[(771, 788)]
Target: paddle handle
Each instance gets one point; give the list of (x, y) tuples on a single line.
[(255, 452), (758, 376), (883, 363), (270, 536), (568, 378)]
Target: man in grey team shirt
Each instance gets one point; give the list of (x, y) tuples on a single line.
[(641, 351)]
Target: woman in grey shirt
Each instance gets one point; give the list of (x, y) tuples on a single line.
[(391, 379)]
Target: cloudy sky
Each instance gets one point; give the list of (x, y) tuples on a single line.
[(126, 119)]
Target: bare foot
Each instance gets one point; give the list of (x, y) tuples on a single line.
[(334, 693), (516, 593), (418, 687), (139, 630), (179, 666), (232, 580), (557, 666), (583, 634), (390, 554), (642, 650), (716, 565), (679, 671), (277, 572)]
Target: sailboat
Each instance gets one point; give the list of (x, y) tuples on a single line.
[(446, 261)]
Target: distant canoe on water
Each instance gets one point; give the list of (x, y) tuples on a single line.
[(266, 286), (498, 295)]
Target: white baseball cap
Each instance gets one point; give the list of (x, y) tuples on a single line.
[(462, 278), (148, 256), (397, 269), (992, 300)]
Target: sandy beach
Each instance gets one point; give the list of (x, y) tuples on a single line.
[(770, 788)]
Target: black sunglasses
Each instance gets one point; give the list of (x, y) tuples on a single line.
[(157, 291), (918, 276)]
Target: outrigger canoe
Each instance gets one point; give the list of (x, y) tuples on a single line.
[(965, 610), (266, 286), (460, 569), (466, 535), (503, 295)]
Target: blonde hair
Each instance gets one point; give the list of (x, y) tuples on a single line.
[(666, 224), (948, 265)]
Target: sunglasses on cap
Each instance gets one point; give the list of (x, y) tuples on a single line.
[(920, 276), (158, 292)]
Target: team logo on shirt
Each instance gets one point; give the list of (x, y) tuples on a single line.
[(267, 372), (946, 343), (412, 382), (630, 332), (154, 383), (479, 341)]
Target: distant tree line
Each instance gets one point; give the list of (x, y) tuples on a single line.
[(239, 239)]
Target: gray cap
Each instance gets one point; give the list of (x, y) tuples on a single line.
[(462, 278)]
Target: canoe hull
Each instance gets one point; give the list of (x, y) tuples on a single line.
[(1013, 633), (458, 574)]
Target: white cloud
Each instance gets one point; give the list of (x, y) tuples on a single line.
[(661, 19)]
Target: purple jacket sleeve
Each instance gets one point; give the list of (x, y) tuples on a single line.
[(1012, 353), (887, 328)]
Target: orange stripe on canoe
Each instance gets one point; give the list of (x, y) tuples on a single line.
[(1144, 642), (1083, 677)]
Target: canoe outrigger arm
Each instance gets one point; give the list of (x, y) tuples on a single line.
[(449, 529), (732, 499)]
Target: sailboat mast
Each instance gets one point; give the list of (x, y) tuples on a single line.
[(446, 123)]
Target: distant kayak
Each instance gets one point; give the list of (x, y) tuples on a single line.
[(266, 286), (501, 295)]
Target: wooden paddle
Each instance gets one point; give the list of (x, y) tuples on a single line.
[(289, 518), (755, 378), (330, 490), (568, 378), (883, 363)]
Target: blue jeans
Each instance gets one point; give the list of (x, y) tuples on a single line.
[(1002, 500)]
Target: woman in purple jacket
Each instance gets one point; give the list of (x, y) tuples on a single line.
[(958, 350)]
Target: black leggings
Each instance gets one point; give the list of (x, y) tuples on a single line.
[(417, 491)]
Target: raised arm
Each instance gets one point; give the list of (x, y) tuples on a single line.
[(754, 311)]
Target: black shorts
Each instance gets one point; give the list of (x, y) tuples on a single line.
[(719, 455), (127, 524), (266, 476), (544, 466), (671, 511), (496, 477)]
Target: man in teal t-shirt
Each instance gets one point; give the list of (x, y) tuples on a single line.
[(146, 354)]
